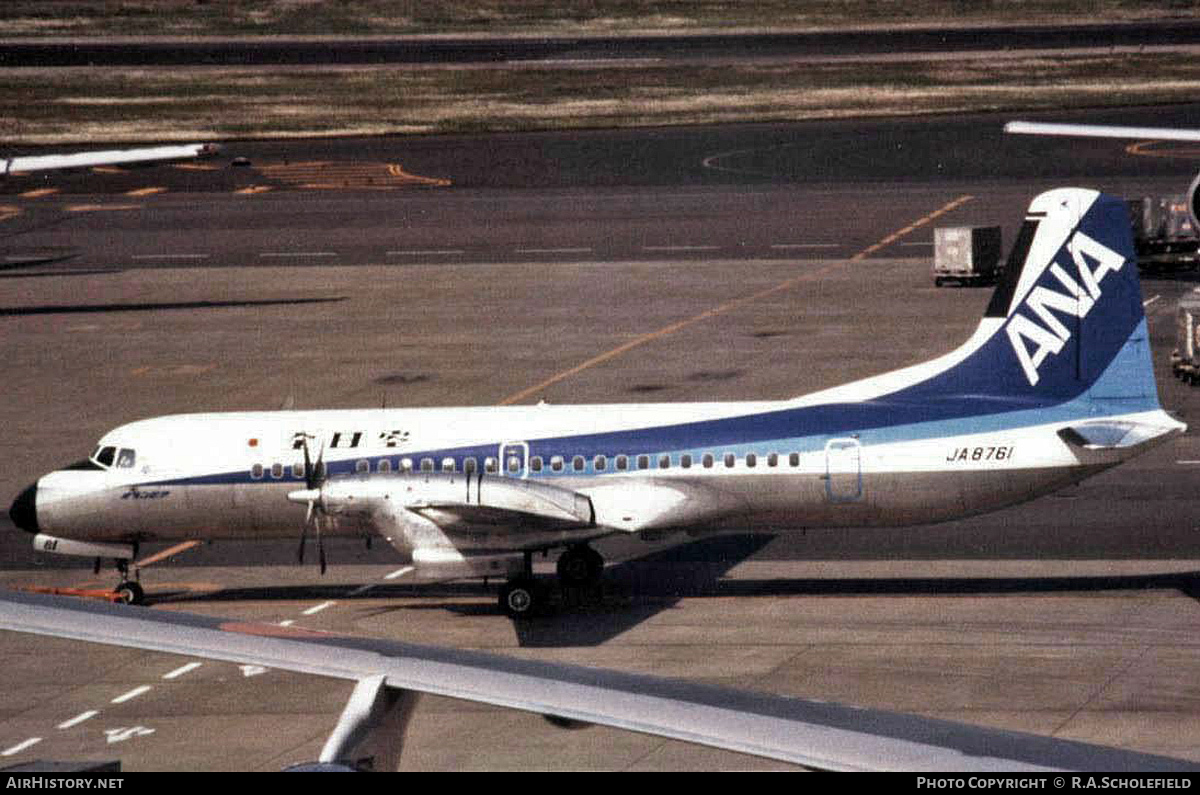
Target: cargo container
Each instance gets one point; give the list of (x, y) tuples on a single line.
[(1185, 359), (1164, 234), (966, 254)]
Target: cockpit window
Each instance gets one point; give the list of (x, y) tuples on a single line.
[(105, 455), (125, 458)]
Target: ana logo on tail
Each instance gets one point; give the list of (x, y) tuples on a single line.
[(1050, 335)]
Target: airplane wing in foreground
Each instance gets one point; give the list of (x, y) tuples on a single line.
[(390, 674)]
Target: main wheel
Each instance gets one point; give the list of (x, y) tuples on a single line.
[(521, 597), (580, 566), (130, 593)]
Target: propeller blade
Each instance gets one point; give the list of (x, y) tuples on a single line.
[(320, 547)]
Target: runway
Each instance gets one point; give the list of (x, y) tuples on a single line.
[(1073, 615)]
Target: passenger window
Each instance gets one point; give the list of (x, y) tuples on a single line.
[(125, 458), (448, 465), (105, 456), (730, 460), (489, 465), (514, 464), (256, 471), (277, 470), (664, 462), (556, 463), (298, 470), (406, 465), (751, 459), (600, 463), (773, 459), (385, 465), (643, 462), (622, 462), (535, 464), (685, 461), (426, 464), (794, 460), (577, 463), (360, 466), (470, 465), (708, 460)]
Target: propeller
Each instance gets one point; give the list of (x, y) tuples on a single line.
[(314, 478)]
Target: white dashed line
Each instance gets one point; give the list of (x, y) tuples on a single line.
[(80, 718), (19, 747), (183, 669), (806, 245), (436, 252), (362, 589), (287, 622), (314, 610), (137, 691), (553, 250), (680, 248), (398, 573), (1149, 301), (170, 256)]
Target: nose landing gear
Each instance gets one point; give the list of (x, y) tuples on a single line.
[(128, 591)]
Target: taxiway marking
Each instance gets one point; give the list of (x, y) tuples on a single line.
[(181, 670), (137, 691), (728, 306), (398, 573), (19, 747), (915, 225), (314, 610), (80, 718)]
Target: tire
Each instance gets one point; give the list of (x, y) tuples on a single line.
[(521, 598), (580, 566), (130, 593)]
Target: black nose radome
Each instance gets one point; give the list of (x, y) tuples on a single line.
[(24, 510)]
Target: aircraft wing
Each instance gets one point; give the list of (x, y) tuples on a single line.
[(1101, 131), (813, 734), (112, 157)]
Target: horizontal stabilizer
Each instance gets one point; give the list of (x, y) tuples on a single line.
[(1112, 435)]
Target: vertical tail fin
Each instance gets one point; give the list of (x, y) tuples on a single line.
[(1066, 321)]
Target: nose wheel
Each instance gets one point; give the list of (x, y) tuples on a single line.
[(130, 593)]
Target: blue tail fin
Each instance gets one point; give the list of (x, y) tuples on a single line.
[(1066, 321)]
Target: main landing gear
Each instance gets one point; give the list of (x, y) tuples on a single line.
[(579, 567)]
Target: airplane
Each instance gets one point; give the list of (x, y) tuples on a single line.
[(390, 676), (1119, 131), (1055, 385)]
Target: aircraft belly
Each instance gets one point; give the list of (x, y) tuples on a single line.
[(893, 498)]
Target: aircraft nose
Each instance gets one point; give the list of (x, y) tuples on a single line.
[(24, 510)]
